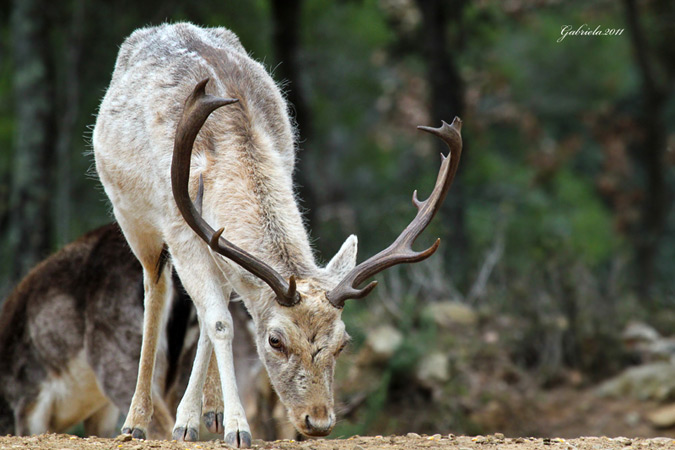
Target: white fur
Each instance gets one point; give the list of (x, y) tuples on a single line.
[(248, 191)]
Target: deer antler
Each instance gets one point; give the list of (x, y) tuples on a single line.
[(197, 109), (401, 250)]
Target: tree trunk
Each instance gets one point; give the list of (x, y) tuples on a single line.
[(650, 154), (447, 101), (29, 224), (69, 107), (286, 15)]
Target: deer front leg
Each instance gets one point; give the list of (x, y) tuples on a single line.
[(208, 382), (189, 410), (237, 432), (205, 283)]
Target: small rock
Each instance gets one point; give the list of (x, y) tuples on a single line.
[(437, 437), (632, 419), (381, 344), (433, 369), (654, 381), (637, 333), (357, 447), (449, 313), (662, 441), (663, 417), (519, 440), (413, 435), (123, 438), (499, 436), (624, 441)]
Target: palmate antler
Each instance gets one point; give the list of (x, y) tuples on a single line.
[(198, 107), (401, 250)]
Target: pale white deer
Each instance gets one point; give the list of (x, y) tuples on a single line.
[(245, 155)]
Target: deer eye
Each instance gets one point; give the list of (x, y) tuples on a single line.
[(342, 347), (275, 343)]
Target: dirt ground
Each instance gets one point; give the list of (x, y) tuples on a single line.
[(568, 413), (411, 441)]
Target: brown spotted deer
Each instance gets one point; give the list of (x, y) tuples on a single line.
[(244, 155), (70, 338)]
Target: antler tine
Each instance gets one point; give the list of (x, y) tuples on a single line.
[(400, 251), (198, 106)]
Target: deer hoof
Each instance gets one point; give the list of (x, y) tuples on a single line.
[(238, 439), (214, 422), (137, 433), (185, 434)]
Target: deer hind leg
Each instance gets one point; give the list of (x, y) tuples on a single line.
[(21, 420), (189, 410), (35, 419), (212, 398), (103, 422), (7, 425), (162, 419), (149, 249), (211, 406)]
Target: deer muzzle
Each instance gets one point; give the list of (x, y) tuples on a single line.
[(316, 421)]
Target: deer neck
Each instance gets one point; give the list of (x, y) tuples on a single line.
[(249, 193)]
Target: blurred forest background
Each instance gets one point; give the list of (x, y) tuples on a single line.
[(558, 235)]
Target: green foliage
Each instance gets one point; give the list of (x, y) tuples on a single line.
[(420, 336), (565, 217), (346, 73), (535, 111), (561, 80)]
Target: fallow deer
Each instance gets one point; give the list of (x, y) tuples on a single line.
[(70, 338), (242, 166)]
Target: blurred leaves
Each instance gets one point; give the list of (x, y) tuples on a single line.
[(554, 173)]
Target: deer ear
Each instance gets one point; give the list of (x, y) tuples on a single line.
[(344, 260)]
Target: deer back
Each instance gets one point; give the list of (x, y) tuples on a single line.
[(244, 153)]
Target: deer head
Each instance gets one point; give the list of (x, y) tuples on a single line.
[(299, 331)]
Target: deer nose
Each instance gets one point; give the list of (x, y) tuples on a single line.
[(319, 424)]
